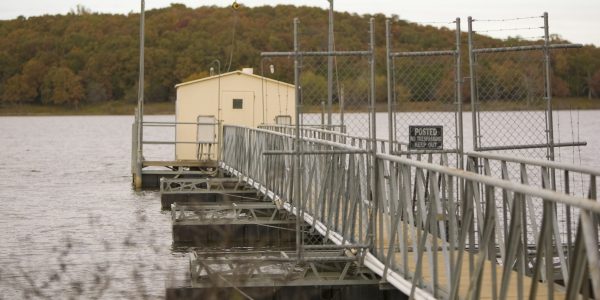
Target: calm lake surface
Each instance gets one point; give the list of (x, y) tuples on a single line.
[(71, 225)]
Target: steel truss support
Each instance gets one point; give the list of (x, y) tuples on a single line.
[(230, 213), (202, 185), (279, 268)]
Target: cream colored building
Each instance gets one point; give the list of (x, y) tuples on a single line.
[(238, 98)]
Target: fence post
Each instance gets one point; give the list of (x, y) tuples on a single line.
[(460, 131), (296, 185), (390, 84), (140, 111), (373, 136), (473, 85)]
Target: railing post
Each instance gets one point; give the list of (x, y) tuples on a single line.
[(134, 145)]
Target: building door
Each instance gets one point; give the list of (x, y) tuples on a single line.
[(206, 137)]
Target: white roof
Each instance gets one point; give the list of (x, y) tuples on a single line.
[(233, 73)]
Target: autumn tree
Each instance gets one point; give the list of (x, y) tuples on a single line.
[(595, 83), (181, 43), (62, 86), (17, 90), (34, 72)]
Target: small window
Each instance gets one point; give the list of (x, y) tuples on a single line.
[(238, 103)]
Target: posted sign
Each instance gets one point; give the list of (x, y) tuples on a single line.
[(426, 137)]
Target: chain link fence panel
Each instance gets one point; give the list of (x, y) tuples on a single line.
[(511, 103)]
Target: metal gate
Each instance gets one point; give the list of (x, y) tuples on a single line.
[(517, 81), (335, 98), (424, 90), (511, 105)]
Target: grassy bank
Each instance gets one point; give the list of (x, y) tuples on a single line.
[(166, 108), (106, 108)]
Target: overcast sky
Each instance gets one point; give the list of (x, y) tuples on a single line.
[(575, 20)]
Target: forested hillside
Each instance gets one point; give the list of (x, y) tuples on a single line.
[(85, 57)]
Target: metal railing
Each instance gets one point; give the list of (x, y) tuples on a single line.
[(331, 183), (564, 178), (424, 240), (205, 150), (383, 145)]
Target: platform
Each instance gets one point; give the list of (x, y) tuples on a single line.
[(256, 224), (276, 275)]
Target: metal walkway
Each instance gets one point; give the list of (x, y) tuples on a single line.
[(490, 226), (433, 231)]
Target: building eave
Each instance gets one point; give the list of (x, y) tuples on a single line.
[(238, 72)]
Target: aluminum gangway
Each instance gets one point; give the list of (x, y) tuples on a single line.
[(432, 231)]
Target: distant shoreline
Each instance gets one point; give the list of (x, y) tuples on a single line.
[(168, 108), (106, 108)]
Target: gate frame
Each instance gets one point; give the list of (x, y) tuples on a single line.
[(299, 154), (458, 112), (546, 47)]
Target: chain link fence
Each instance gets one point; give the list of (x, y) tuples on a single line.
[(425, 94), (334, 93), (350, 98), (511, 95), (511, 105), (424, 90)]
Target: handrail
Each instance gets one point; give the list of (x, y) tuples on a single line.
[(534, 162), (546, 194), (308, 127), (177, 123), (419, 224)]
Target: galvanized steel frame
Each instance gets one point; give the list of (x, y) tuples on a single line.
[(202, 185), (475, 109), (248, 269), (383, 145), (298, 161), (231, 213), (392, 104), (416, 216)]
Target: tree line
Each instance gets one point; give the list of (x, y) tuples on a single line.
[(85, 57)]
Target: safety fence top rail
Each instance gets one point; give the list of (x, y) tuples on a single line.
[(424, 53), (328, 132), (534, 162), (315, 53), (547, 195), (527, 48)]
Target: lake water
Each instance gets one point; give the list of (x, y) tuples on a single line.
[(71, 225)]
